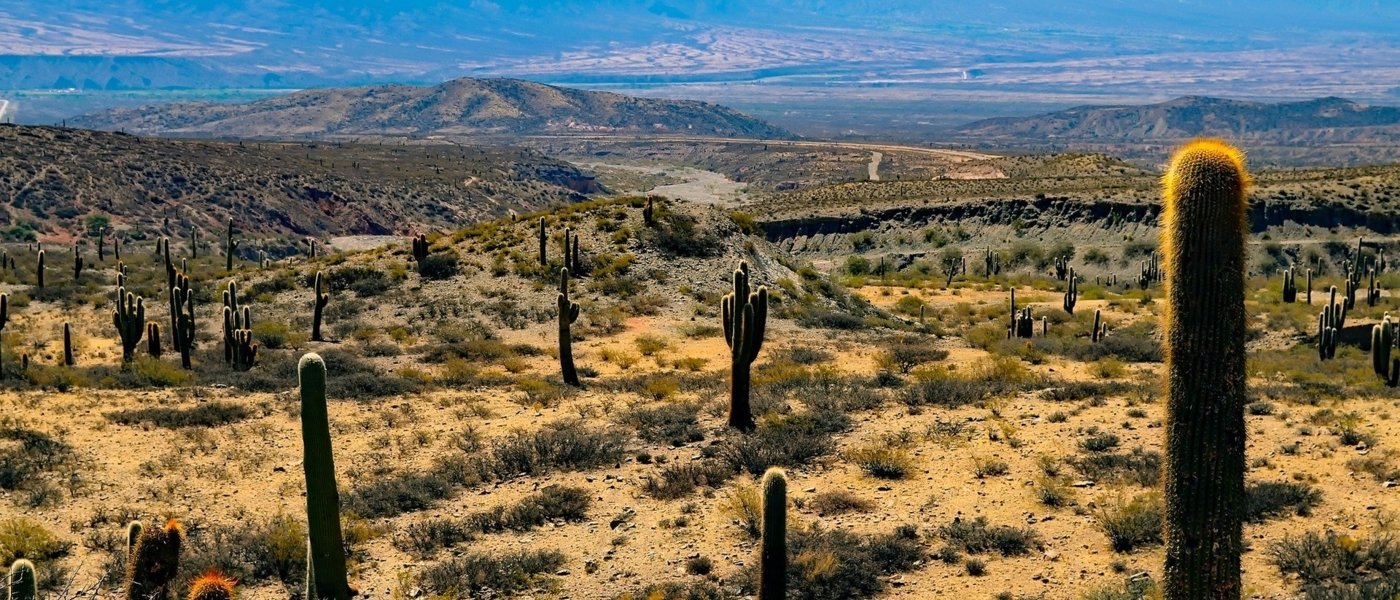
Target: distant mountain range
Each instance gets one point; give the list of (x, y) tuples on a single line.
[(458, 107), (1323, 120)]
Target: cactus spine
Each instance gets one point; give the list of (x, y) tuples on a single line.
[(320, 301), (23, 584), (129, 318), (1203, 237), (568, 313), (745, 315), (326, 557), (212, 585), (67, 345), (773, 560), (154, 562)]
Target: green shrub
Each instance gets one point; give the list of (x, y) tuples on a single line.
[(1135, 524)]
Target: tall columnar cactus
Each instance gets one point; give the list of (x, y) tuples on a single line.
[(773, 559), (130, 320), (649, 213), (1310, 272), (1203, 239), (194, 243), (4, 320), (320, 300), (1071, 292), (326, 557), (1290, 287), (116, 248), (1096, 333), (992, 262), (182, 319), (1373, 290), (230, 247), (102, 244), (22, 583), (77, 263), (1062, 270), (564, 253), (568, 313), (212, 585), (745, 315), (133, 535), (39, 269), (1382, 340), (239, 348), (153, 339), (544, 244), (420, 251), (231, 323), (575, 266), (67, 345), (154, 562)]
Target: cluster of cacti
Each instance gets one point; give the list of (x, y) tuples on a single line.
[(1290, 287), (1022, 322), (570, 252), (130, 320), (1203, 238), (1149, 271), (325, 572), (1071, 291), (1062, 270), (230, 247), (991, 263), (182, 324), (319, 302), (568, 313), (1100, 328), (773, 559), (22, 583), (1329, 325), (239, 349), (153, 339), (745, 318), (420, 250)]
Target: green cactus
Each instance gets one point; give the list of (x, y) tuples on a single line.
[(129, 318), (67, 345), (22, 584), (102, 244), (153, 339), (4, 320), (773, 559), (1203, 238), (568, 239), (182, 319), (649, 213), (745, 315), (39, 270), (320, 299), (116, 248), (568, 313), (231, 324), (194, 243), (326, 556), (230, 247), (1071, 292), (77, 263), (1062, 269), (1290, 287), (544, 246), (154, 562), (1382, 341), (133, 534), (1373, 290), (420, 250), (575, 266), (1096, 333)]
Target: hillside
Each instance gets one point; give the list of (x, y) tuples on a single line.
[(1323, 120), (55, 179), (457, 107)]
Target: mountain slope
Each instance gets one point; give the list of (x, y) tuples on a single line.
[(55, 179), (460, 106), (1319, 120)]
